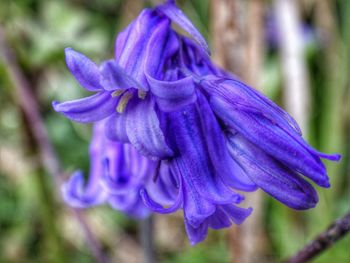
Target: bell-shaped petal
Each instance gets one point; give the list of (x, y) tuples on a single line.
[(84, 70), (197, 138), (272, 176), (89, 109)]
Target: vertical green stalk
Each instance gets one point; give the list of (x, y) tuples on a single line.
[(53, 247), (331, 134)]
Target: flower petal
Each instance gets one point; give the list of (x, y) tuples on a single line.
[(196, 234), (273, 177), (162, 187), (195, 138), (224, 165), (126, 169), (75, 194), (179, 18), (269, 137), (115, 77), (84, 70), (158, 208), (237, 214), (250, 101), (237, 93), (115, 128), (162, 46), (144, 132), (89, 109), (135, 54), (219, 219), (172, 95)]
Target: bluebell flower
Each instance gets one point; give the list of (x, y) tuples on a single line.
[(183, 133), (117, 173)]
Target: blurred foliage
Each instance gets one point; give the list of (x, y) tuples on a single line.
[(35, 227)]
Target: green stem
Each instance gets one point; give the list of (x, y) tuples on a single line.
[(53, 249)]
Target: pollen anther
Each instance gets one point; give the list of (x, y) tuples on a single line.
[(117, 93), (124, 101)]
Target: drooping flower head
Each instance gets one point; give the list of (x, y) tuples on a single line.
[(174, 131)]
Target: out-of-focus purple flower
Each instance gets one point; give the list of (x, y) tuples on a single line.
[(117, 173), (273, 36), (183, 131)]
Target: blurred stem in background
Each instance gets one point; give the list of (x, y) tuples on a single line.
[(335, 67), (295, 95), (323, 241), (238, 30), (146, 235), (53, 250), (292, 52), (24, 97)]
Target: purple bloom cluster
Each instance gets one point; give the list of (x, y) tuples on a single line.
[(173, 131)]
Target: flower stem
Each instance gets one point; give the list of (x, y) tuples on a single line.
[(146, 237), (323, 241)]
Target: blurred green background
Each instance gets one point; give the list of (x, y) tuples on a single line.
[(36, 227)]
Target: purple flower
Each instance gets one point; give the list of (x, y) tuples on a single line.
[(273, 35), (182, 132), (117, 173)]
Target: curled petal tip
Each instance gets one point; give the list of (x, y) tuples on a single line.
[(337, 157), (179, 18), (67, 49), (323, 181), (74, 193), (54, 104), (333, 157), (327, 184), (155, 207)]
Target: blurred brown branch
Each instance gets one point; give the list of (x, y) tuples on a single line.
[(48, 158), (227, 28), (238, 30), (323, 241)]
